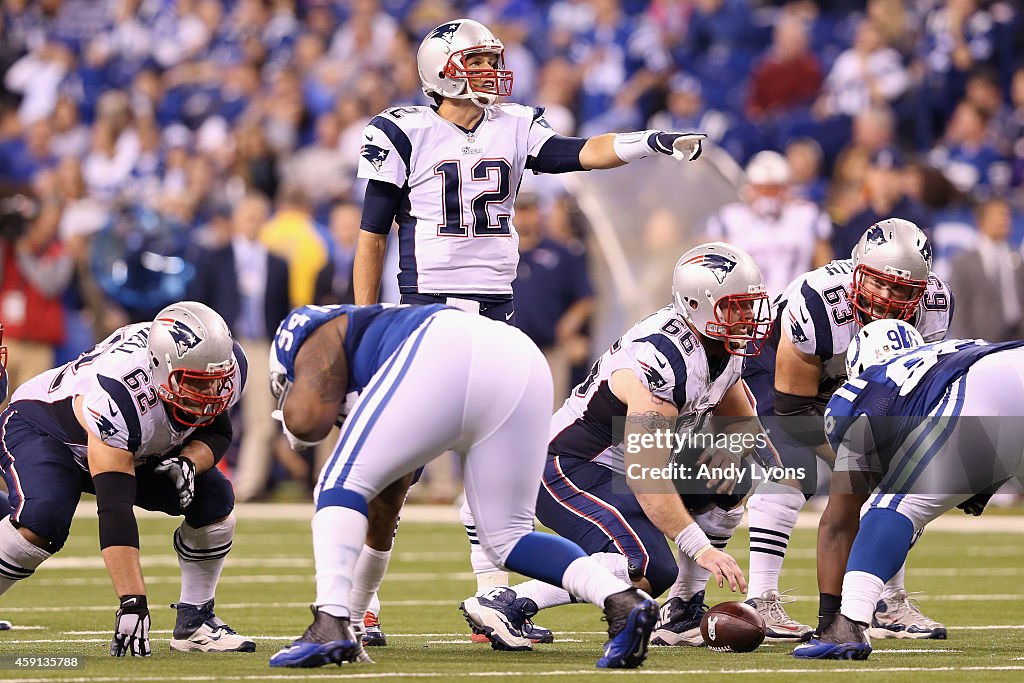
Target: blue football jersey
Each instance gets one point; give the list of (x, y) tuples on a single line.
[(372, 335), (897, 394)]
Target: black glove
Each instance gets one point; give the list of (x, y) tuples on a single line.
[(975, 505), (131, 628), (182, 472)]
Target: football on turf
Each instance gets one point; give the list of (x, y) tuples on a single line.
[(732, 627)]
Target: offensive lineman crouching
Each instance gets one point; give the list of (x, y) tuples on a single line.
[(138, 420)]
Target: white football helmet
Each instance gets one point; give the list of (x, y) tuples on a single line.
[(719, 289), (895, 257), (442, 57), (191, 357), (879, 341)]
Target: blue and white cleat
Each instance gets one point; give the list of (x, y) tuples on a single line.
[(679, 622), (328, 640), (842, 639), (900, 617), (501, 616), (631, 617)]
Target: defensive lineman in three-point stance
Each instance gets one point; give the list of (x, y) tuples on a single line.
[(790, 382), (448, 174), (430, 379), (918, 429), (138, 420)]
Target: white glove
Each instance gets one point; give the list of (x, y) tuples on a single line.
[(182, 472), (295, 442)]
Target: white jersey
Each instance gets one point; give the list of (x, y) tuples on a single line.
[(784, 248), (814, 312), (455, 230), (119, 400), (669, 360)]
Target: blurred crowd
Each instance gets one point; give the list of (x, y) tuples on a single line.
[(216, 141)]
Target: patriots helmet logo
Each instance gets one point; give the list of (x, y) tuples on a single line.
[(106, 428), (654, 378), (375, 155), (797, 332), (875, 237), (719, 265), (926, 250), (183, 336), (445, 32)]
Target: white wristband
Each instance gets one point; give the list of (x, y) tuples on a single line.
[(295, 442), (632, 146), (693, 541)]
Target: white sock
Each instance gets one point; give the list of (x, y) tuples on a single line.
[(338, 537), (895, 584), (18, 557), (374, 606), (369, 573), (719, 525), (771, 513), (488, 575), (860, 595), (588, 580), (201, 554), (546, 595)]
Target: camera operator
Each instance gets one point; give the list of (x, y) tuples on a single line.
[(35, 270)]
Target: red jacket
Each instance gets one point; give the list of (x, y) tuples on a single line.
[(27, 313)]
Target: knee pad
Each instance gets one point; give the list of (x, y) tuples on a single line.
[(215, 499), (210, 542)]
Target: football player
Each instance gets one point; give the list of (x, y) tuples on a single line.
[(448, 174), (669, 371), (888, 276), (494, 389), (138, 420), (913, 429), (5, 505)]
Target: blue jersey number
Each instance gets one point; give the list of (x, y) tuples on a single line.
[(484, 225)]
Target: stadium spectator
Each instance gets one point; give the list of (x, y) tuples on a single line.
[(967, 156), (248, 287), (334, 283), (867, 74), (321, 170), (553, 295), (292, 234), (805, 160), (989, 281), (34, 271), (788, 76)]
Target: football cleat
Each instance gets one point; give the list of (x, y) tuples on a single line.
[(501, 617), (779, 627), (328, 640), (372, 635), (679, 622), (900, 617), (5, 625), (631, 617), (537, 634), (197, 629), (842, 639)]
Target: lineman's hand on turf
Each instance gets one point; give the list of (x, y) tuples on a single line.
[(723, 568), (131, 628)]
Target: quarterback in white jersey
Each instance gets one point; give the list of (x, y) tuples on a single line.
[(785, 236), (138, 420), (448, 174), (816, 318), (665, 375)]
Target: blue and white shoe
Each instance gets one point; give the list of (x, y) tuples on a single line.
[(631, 617), (842, 639), (501, 616), (328, 640), (900, 617), (679, 622)]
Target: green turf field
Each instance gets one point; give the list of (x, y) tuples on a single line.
[(971, 581)]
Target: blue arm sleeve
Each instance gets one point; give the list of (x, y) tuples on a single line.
[(558, 155), (380, 206)]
